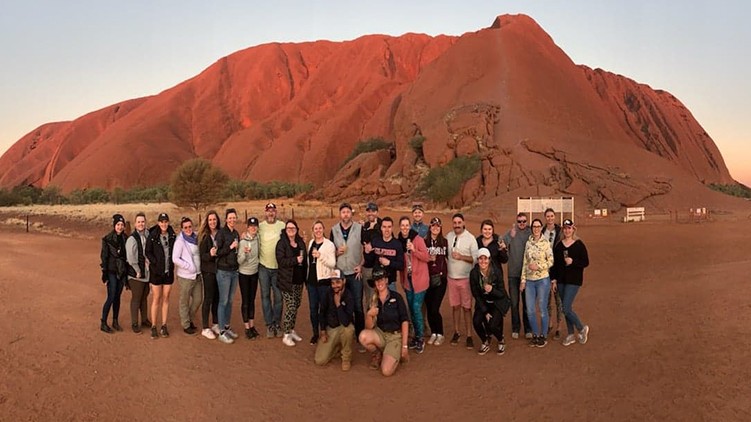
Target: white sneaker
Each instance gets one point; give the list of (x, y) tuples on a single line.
[(287, 340), (432, 338), (226, 339), (294, 336), (231, 333), (515, 335), (438, 340), (206, 332), (569, 340), (528, 335), (216, 330), (584, 335)]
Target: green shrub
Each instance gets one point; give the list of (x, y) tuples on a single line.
[(737, 189), (444, 182), (89, 196), (368, 145)]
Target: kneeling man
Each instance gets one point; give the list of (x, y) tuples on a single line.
[(337, 328)]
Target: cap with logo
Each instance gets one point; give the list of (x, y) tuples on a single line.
[(568, 222), (270, 206), (417, 207), (163, 217), (252, 221), (435, 221)]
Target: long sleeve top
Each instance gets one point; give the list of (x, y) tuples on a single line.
[(539, 252), (574, 273), (332, 316)]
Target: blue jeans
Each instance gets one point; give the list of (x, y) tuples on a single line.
[(268, 279), (414, 301), (114, 291), (355, 286), (227, 283), (538, 293), (568, 294), (316, 293)]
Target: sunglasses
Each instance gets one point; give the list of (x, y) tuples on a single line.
[(535, 226), (521, 221)]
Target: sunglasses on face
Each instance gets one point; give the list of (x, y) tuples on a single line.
[(534, 226)]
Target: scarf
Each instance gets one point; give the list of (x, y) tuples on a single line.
[(192, 239)]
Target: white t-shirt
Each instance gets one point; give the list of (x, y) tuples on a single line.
[(465, 244)]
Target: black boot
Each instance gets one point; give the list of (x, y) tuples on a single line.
[(116, 325), (106, 328)]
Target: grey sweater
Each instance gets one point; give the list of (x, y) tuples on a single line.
[(353, 257), (248, 261), (516, 246), (131, 250)]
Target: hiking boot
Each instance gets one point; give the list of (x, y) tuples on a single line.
[(584, 335), (470, 343), (542, 341), (164, 332), (136, 328), (116, 325), (105, 328), (484, 348), (569, 340), (346, 365), (375, 360), (189, 331), (533, 342), (455, 339)]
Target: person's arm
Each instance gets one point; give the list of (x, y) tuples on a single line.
[(222, 244), (420, 251), (131, 253), (557, 260), (370, 317), (328, 254), (104, 257), (282, 258), (241, 255), (548, 260), (524, 268), (150, 250), (404, 318), (474, 286)]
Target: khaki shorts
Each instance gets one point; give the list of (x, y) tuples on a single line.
[(392, 342)]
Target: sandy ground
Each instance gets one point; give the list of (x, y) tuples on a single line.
[(668, 305)]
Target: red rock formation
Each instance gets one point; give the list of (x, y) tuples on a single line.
[(293, 112)]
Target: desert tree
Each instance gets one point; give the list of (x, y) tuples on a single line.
[(197, 183)]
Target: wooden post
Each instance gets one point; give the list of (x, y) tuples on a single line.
[(293, 213), (27, 223), (246, 215)]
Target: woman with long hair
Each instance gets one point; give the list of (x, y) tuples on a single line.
[(227, 242), (321, 268), (437, 247), (159, 247), (535, 281), (415, 278), (207, 248), (290, 255), (571, 258), (489, 240), (114, 266)]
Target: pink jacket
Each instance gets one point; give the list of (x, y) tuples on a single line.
[(420, 259)]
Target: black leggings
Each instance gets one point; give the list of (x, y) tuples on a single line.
[(248, 288), (433, 299), (486, 329), (210, 299)]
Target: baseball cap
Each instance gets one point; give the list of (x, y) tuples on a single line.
[(270, 206), (336, 275), (434, 221), (483, 252), (417, 206), (163, 217), (372, 206), (568, 222), (378, 273), (252, 221), (345, 205)]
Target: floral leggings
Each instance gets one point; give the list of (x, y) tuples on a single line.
[(291, 303)]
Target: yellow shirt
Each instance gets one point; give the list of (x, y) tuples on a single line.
[(268, 236)]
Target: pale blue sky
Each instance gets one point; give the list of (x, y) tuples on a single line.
[(63, 59)]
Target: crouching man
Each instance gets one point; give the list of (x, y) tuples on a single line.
[(337, 327)]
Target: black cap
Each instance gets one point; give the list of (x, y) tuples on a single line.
[(418, 206), (252, 221), (163, 217), (378, 273), (372, 206), (434, 221), (568, 222), (117, 218), (345, 205), (270, 206)]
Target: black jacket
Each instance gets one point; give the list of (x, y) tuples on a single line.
[(226, 258), (496, 298), (497, 256), (208, 262), (569, 274), (155, 255), (113, 256), (332, 316), (290, 272)]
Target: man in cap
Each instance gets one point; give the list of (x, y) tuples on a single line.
[(337, 327), (269, 232), (371, 228), (418, 212)]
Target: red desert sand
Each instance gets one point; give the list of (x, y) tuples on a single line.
[(668, 306)]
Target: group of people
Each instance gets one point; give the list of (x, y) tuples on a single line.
[(351, 280)]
